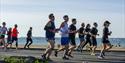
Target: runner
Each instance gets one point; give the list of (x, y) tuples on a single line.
[(15, 36), (81, 33), (0, 29), (3, 33), (9, 37), (88, 36), (72, 33), (0, 36), (50, 36), (106, 43), (29, 38), (64, 37), (94, 32)]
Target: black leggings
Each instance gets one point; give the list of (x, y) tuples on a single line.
[(88, 40), (27, 42)]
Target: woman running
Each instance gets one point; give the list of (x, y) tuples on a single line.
[(105, 40), (88, 36), (3, 33)]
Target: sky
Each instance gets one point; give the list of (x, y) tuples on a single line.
[(34, 13)]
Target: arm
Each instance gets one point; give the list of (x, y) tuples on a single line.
[(47, 26), (94, 35), (62, 25), (72, 29), (110, 33)]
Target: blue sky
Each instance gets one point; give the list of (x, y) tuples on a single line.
[(34, 13)]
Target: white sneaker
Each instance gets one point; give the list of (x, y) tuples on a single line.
[(93, 54), (100, 57), (84, 62), (16, 48)]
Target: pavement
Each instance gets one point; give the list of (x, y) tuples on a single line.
[(84, 57)]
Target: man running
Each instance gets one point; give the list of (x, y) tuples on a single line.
[(15, 35), (50, 37), (94, 32), (72, 33), (64, 37), (29, 38), (106, 43), (0, 35), (81, 33), (0, 29)]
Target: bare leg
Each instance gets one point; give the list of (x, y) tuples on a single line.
[(66, 50), (93, 50), (52, 45), (48, 49), (103, 50), (71, 49), (11, 45), (3, 41), (79, 46), (82, 44), (61, 49), (109, 46)]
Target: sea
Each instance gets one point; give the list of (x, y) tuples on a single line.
[(118, 42)]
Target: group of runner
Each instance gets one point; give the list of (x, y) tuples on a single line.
[(12, 36), (68, 34)]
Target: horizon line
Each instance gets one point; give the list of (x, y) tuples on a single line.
[(76, 37)]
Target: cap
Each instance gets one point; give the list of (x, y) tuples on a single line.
[(107, 22)]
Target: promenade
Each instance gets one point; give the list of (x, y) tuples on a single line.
[(84, 57)]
